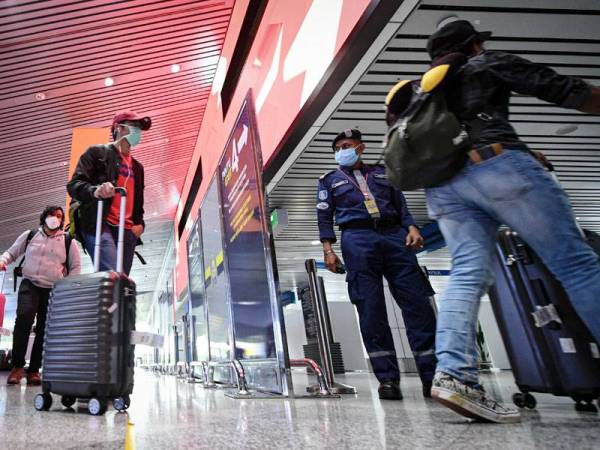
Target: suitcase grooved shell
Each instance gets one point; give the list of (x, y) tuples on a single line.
[(87, 348)]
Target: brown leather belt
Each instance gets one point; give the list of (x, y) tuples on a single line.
[(478, 155)]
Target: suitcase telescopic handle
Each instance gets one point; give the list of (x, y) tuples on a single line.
[(3, 275), (121, 234)]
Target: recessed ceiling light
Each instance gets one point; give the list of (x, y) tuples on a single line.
[(108, 81), (566, 129), (175, 68), (155, 213), (40, 96), (315, 242)]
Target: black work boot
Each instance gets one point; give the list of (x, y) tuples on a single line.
[(390, 390)]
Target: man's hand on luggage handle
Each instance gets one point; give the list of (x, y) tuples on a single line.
[(2, 266), (414, 239), (105, 190)]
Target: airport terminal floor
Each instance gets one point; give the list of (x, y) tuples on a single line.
[(169, 413)]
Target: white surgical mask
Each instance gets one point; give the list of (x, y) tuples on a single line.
[(52, 222)]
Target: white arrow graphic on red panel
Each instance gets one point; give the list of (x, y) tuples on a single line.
[(314, 45), (273, 68), (243, 139)]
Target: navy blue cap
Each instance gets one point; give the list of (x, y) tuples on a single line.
[(350, 133)]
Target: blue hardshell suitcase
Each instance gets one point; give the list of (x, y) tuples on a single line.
[(88, 352), (549, 347)]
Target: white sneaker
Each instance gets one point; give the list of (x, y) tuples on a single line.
[(471, 402)]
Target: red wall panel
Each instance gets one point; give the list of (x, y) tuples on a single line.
[(295, 44)]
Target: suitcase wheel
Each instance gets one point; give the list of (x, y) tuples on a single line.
[(524, 400), (122, 403), (97, 406), (67, 401), (42, 402)]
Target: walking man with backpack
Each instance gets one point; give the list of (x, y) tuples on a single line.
[(499, 182), (50, 254), (99, 170)]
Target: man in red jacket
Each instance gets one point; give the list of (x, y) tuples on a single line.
[(99, 170)]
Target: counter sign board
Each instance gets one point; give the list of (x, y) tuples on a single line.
[(256, 314)]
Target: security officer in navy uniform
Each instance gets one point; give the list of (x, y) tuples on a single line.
[(379, 236)]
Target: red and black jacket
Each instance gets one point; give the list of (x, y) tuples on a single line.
[(99, 164)]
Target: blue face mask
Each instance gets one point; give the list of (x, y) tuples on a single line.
[(346, 157), (135, 135)]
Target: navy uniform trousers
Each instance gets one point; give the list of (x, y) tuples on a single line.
[(369, 256)]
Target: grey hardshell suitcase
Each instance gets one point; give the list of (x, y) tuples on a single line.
[(87, 344), (549, 348)]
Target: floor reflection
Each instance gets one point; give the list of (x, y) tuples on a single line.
[(170, 413)]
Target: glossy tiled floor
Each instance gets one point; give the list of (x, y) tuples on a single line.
[(170, 414)]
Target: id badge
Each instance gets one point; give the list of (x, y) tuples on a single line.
[(372, 207)]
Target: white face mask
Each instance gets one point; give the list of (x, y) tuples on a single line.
[(52, 222)]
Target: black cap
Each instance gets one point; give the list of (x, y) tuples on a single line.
[(452, 37), (350, 133)]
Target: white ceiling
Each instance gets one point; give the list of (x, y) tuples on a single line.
[(562, 34)]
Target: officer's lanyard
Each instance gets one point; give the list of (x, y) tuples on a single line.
[(362, 184)]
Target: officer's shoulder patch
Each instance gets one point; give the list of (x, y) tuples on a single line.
[(323, 205), (326, 174), (323, 194)]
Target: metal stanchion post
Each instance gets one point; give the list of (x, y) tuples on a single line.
[(323, 332), (321, 389), (209, 375)]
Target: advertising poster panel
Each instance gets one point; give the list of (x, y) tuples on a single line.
[(257, 320)]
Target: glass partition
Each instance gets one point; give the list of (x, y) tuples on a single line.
[(216, 282), (198, 326)]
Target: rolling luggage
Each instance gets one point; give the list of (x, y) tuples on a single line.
[(87, 344), (549, 347)]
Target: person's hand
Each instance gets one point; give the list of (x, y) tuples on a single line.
[(541, 158), (414, 239), (105, 190), (332, 261), (137, 230), (2, 266)]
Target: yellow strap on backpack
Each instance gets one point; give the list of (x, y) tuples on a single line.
[(433, 77), (399, 85)]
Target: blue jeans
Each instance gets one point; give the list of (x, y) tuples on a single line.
[(108, 248), (512, 189)]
